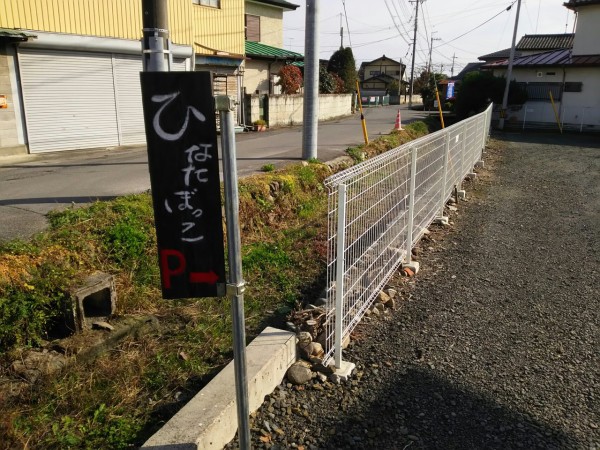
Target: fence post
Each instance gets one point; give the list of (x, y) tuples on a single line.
[(483, 132), (411, 204), (460, 191), (443, 219), (339, 275)]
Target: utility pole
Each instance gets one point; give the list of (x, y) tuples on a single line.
[(452, 69), (429, 65), (155, 41), (341, 33), (412, 66), (311, 81), (509, 72)]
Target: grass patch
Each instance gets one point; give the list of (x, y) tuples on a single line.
[(120, 399)]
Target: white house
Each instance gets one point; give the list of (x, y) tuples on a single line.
[(568, 76)]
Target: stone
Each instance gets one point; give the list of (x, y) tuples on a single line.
[(313, 350), (101, 325), (35, 363), (304, 338), (383, 297), (381, 306), (299, 374), (452, 208)]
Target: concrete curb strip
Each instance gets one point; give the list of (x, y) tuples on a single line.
[(209, 420)]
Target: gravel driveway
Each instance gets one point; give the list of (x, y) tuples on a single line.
[(496, 341)]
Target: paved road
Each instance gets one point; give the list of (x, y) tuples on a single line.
[(32, 185)]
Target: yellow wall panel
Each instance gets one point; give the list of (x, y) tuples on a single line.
[(221, 29)]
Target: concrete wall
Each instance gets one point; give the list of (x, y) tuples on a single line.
[(587, 35), (271, 23), (11, 131), (287, 110)]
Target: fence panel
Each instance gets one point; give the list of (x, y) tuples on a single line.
[(369, 216)]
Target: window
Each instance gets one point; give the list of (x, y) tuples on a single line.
[(213, 3), (573, 86), (374, 72), (252, 24), (541, 91)]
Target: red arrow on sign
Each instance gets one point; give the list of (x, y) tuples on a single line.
[(204, 277)]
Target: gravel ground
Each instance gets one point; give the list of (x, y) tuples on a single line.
[(496, 341)]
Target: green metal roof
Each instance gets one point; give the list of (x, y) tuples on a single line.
[(15, 34), (258, 50)]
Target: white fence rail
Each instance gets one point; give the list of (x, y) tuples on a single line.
[(380, 208)]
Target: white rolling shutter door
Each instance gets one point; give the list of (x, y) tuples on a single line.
[(178, 65), (69, 99), (129, 99)]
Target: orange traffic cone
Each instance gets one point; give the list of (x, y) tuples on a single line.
[(398, 125)]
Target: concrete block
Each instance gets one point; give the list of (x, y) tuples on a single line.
[(413, 265), (462, 194), (95, 301), (471, 176), (480, 164), (342, 373), (209, 420)]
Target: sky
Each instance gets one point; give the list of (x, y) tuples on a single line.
[(373, 28)]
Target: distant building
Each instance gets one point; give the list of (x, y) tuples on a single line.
[(566, 66), (378, 75)]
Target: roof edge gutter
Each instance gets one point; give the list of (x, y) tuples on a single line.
[(62, 41)]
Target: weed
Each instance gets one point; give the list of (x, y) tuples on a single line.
[(356, 153), (115, 402), (268, 168)]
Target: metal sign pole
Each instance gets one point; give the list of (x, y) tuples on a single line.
[(235, 283)]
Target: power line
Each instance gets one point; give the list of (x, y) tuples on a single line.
[(478, 26), (394, 20)]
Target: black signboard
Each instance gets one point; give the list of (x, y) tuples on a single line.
[(179, 114)]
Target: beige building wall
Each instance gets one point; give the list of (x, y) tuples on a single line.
[(388, 67), (271, 23), (587, 37)]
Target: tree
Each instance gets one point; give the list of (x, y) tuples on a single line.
[(478, 89), (424, 85), (290, 79), (342, 63), (327, 84)]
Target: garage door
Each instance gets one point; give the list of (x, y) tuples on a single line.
[(130, 115), (69, 99)]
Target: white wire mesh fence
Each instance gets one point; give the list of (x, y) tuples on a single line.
[(379, 209)]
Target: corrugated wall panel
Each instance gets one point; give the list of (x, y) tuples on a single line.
[(129, 99), (69, 100), (218, 28), (105, 18)]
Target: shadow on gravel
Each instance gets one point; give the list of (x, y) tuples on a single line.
[(566, 139), (420, 410)]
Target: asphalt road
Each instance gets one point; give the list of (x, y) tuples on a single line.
[(32, 185)]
